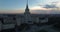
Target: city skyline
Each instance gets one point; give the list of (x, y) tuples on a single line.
[(18, 6)]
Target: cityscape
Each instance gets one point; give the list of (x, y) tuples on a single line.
[(36, 19)]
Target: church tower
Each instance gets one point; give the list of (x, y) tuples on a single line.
[(27, 15)]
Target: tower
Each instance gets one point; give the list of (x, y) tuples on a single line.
[(27, 15), (27, 9)]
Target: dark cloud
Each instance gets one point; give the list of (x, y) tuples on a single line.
[(50, 6)]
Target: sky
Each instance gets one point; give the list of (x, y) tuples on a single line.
[(35, 6)]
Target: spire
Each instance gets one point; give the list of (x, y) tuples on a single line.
[(27, 5), (27, 2), (27, 8)]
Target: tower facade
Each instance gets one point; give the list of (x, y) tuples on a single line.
[(27, 15)]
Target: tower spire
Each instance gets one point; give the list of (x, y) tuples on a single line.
[(27, 5), (27, 8), (27, 2)]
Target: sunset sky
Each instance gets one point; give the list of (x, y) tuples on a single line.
[(35, 6)]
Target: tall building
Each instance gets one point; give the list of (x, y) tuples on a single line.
[(27, 15)]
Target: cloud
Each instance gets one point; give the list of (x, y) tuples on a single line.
[(58, 4), (39, 11), (50, 6), (45, 11), (38, 8)]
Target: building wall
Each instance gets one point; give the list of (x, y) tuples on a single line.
[(8, 26), (34, 19), (0, 26), (9, 20), (19, 20)]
